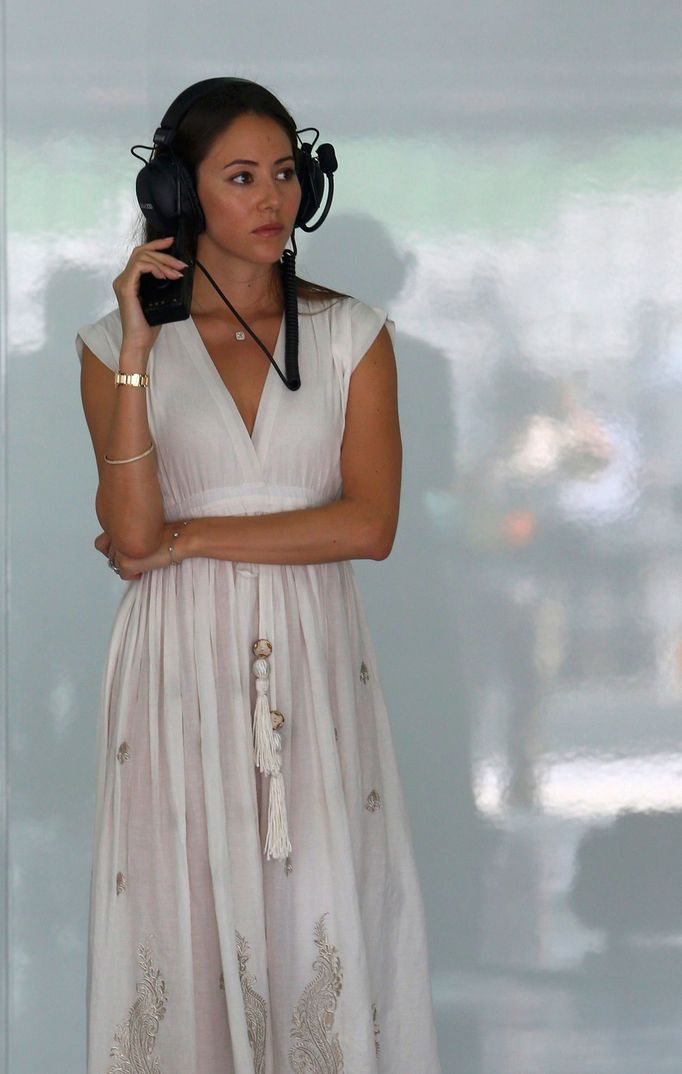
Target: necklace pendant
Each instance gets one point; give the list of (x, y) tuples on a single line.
[(240, 335)]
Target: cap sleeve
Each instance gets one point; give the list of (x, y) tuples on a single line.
[(354, 327), (103, 337), (365, 324)]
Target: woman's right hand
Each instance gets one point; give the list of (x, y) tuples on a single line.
[(104, 545), (149, 257)]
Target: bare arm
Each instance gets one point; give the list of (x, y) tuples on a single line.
[(361, 525), (128, 502)]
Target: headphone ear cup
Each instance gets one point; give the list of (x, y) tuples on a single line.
[(311, 179), (156, 187)]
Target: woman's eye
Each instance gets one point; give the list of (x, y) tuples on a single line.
[(242, 178)]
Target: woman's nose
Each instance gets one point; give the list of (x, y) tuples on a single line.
[(271, 193)]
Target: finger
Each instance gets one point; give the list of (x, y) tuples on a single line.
[(160, 273), (125, 564), (128, 282), (102, 544), (150, 249), (127, 572), (163, 261), (166, 259), (153, 244)]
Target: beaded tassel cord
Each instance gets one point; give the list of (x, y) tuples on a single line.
[(267, 743)]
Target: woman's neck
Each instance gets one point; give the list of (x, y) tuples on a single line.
[(252, 289)]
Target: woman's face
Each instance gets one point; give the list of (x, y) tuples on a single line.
[(246, 181)]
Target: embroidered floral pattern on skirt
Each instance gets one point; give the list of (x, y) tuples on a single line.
[(317, 1049), (135, 1038), (255, 1007)]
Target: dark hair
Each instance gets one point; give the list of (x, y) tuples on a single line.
[(200, 126)]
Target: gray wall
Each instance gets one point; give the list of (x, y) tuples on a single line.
[(509, 188)]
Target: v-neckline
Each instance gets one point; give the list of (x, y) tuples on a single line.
[(222, 385)]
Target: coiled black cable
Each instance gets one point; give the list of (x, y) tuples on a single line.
[(288, 272)]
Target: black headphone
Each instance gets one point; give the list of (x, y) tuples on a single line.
[(165, 189)]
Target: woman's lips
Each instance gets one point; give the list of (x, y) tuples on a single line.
[(269, 229)]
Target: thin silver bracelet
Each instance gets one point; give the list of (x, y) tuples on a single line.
[(176, 533), (134, 458)]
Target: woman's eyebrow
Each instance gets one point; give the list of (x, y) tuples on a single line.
[(255, 162)]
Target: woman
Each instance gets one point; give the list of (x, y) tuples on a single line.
[(247, 915)]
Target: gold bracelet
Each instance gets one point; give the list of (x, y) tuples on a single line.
[(176, 533), (133, 458), (138, 380)]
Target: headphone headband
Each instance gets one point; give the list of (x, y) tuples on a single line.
[(166, 131)]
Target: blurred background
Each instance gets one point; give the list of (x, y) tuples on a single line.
[(509, 190)]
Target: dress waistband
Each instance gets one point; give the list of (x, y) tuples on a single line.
[(243, 500)]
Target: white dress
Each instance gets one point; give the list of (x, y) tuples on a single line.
[(213, 948)]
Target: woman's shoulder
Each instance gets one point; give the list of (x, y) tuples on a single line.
[(352, 326), (103, 337), (348, 309), (107, 326)]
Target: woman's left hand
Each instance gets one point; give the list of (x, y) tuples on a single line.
[(128, 568)]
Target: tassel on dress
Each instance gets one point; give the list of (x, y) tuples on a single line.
[(267, 743)]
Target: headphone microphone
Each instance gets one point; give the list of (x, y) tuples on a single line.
[(314, 170)]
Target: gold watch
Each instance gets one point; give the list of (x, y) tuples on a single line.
[(138, 380)]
